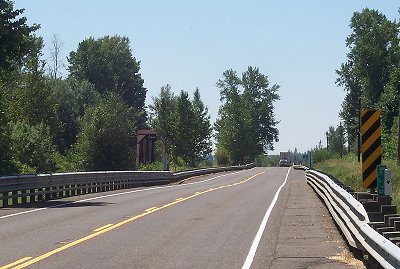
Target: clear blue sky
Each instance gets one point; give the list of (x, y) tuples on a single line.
[(189, 44)]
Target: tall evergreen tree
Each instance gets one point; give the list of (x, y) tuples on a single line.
[(184, 130), (182, 124), (162, 111), (202, 128)]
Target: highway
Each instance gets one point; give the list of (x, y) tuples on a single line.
[(213, 221)]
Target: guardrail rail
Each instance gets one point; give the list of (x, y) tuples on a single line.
[(353, 219), (15, 190)]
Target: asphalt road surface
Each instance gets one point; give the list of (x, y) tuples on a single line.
[(226, 220)]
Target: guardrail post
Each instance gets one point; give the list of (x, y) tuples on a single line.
[(7, 199), (89, 188), (77, 189), (14, 199), (30, 196), (41, 194), (82, 189), (26, 199), (48, 193), (108, 186), (63, 191), (60, 192), (67, 190), (35, 195)]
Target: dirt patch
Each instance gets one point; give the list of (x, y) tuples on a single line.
[(346, 257)]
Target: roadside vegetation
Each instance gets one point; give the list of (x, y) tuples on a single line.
[(348, 171), (84, 115), (371, 79)]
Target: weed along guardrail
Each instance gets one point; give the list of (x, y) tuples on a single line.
[(15, 190), (357, 222)]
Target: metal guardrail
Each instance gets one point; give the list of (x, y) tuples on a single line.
[(353, 220), (15, 190)]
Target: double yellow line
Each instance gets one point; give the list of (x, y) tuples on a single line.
[(24, 262)]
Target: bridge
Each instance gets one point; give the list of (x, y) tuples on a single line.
[(252, 218)]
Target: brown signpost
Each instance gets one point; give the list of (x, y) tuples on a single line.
[(371, 147)]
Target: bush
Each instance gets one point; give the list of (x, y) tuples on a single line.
[(222, 155), (106, 141), (272, 160), (323, 154), (348, 171), (155, 166), (33, 147)]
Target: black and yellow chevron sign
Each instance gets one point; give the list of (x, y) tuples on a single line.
[(371, 146)]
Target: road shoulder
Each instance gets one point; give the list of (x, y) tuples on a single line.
[(306, 236)]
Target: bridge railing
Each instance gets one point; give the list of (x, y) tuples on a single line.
[(353, 220), (16, 190)]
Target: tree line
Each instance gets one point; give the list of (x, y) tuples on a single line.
[(88, 120), (371, 78)]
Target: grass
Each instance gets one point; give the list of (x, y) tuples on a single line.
[(348, 171)]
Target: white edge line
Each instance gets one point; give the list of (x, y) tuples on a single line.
[(116, 194), (257, 238)]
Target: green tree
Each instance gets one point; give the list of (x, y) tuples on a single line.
[(15, 37), (336, 139), (222, 155), (373, 47), (259, 97), (201, 127), (30, 97), (246, 126), (108, 64), (371, 69), (350, 108), (72, 98), (183, 125), (16, 41), (106, 141), (228, 126), (184, 132), (6, 160), (33, 146), (389, 141), (162, 117)]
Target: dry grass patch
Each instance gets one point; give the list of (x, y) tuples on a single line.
[(346, 257)]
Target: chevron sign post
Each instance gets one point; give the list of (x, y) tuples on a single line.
[(371, 147)]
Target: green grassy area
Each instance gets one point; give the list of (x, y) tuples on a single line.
[(348, 171)]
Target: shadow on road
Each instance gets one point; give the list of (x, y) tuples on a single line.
[(54, 203)]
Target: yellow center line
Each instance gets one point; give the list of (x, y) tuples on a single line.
[(15, 263), (150, 209), (112, 227), (103, 227)]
